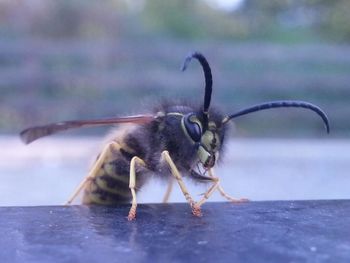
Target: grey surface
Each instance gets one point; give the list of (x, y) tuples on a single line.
[(300, 231)]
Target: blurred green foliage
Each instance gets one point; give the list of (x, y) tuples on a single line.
[(83, 59), (298, 20)]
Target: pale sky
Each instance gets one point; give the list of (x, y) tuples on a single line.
[(227, 5)]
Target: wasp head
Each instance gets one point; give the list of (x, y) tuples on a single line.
[(207, 134)]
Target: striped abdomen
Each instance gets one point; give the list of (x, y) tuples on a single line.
[(110, 184)]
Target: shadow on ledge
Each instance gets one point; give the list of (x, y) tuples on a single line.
[(283, 231)]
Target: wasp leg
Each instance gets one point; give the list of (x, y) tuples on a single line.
[(97, 166), (132, 184), (209, 192), (222, 192), (168, 191), (230, 198), (174, 171)]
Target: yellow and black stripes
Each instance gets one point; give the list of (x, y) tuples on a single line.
[(110, 184)]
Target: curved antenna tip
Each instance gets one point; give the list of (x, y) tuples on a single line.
[(207, 76), (188, 60), (281, 104), (328, 128)]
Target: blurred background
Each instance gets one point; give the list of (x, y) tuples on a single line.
[(62, 60)]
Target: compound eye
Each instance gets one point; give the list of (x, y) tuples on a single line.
[(193, 127)]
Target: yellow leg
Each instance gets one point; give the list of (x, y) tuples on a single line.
[(97, 166), (168, 191), (174, 171), (222, 192), (230, 198), (208, 193), (132, 184)]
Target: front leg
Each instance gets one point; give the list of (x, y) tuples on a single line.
[(222, 192), (209, 192), (175, 172)]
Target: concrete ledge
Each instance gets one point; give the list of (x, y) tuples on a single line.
[(301, 231)]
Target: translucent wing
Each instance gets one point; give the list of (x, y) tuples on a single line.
[(36, 132)]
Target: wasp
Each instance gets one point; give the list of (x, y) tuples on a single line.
[(172, 141)]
